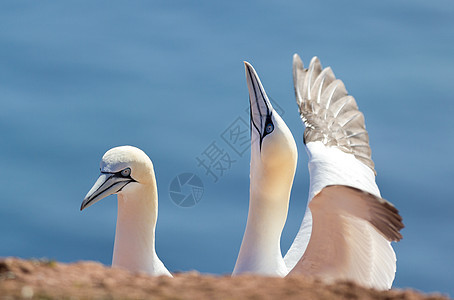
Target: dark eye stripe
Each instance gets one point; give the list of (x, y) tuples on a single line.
[(268, 122), (119, 174)]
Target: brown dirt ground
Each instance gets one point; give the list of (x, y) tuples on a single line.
[(40, 279)]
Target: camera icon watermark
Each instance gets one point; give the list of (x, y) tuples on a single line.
[(186, 190)]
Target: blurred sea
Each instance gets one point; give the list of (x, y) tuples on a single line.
[(80, 77)]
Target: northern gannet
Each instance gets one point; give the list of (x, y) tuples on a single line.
[(273, 164), (128, 172), (347, 228)]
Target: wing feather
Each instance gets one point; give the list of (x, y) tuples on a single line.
[(348, 228), (351, 237), (329, 113)]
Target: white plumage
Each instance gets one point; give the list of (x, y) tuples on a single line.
[(128, 172), (347, 228)]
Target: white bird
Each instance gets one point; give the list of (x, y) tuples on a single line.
[(273, 165), (128, 172), (347, 228)]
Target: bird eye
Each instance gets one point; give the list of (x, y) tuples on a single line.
[(269, 128), (126, 172)]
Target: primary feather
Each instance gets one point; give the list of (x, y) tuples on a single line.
[(329, 113), (347, 229)]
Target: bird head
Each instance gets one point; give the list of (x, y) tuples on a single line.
[(272, 144), (123, 170)]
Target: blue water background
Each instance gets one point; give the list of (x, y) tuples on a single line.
[(80, 77)]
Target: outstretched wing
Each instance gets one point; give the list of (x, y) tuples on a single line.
[(351, 231), (347, 229), (331, 115)]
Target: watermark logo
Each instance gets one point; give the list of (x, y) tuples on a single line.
[(186, 190), (238, 136), (216, 160)]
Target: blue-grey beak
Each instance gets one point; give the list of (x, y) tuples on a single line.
[(107, 184), (261, 108)]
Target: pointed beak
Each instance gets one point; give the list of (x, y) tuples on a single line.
[(107, 184), (261, 107)]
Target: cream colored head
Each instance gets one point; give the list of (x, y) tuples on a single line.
[(123, 170), (273, 148)]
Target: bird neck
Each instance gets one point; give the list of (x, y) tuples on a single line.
[(134, 247), (260, 250)]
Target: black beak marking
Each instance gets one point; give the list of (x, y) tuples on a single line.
[(268, 112)]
